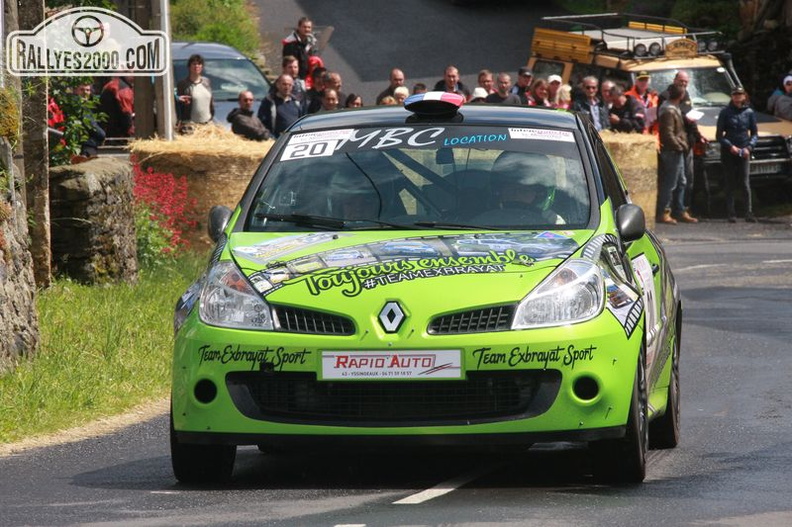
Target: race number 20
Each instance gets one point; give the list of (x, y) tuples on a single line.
[(306, 150)]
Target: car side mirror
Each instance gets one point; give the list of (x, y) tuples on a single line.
[(631, 222), (218, 220)]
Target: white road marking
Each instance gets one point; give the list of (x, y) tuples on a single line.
[(697, 267), (350, 525), (777, 261), (444, 488)]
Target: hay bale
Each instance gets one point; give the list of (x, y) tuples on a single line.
[(217, 163), (636, 157)]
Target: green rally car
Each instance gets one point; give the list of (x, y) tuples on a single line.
[(442, 274)]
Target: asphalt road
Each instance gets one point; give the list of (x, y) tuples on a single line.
[(731, 468)]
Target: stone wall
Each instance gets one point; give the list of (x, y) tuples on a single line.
[(19, 334), (93, 223)]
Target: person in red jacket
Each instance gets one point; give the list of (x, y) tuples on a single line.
[(301, 43), (117, 100), (648, 97)]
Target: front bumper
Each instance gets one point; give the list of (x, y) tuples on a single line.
[(554, 384)]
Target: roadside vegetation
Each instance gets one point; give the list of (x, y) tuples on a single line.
[(106, 349), (103, 350), (199, 20)]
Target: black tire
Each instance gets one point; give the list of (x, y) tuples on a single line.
[(664, 431), (623, 461), (201, 464)]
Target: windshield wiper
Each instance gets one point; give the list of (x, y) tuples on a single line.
[(304, 219), (335, 224), (444, 225)]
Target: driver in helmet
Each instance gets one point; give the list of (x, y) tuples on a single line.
[(354, 198), (523, 185)]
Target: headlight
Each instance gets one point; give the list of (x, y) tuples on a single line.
[(713, 149), (573, 293), (185, 304), (229, 301)]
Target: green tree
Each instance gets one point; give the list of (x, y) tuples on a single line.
[(224, 21)]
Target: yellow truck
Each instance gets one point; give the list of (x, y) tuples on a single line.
[(616, 47)]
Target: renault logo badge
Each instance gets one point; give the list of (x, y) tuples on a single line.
[(391, 317)]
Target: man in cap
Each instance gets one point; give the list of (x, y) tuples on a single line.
[(523, 84), (643, 93), (737, 135), (780, 101), (553, 84)]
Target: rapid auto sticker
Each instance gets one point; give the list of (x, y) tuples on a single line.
[(374, 264), (392, 365)]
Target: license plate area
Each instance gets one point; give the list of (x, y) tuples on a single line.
[(391, 365)]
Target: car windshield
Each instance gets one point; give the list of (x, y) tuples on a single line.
[(442, 177), (228, 77), (707, 86)]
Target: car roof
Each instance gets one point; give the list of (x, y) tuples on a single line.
[(208, 50), (469, 114)]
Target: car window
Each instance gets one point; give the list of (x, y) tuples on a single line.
[(610, 176), (488, 177), (707, 86), (545, 68), (228, 77)]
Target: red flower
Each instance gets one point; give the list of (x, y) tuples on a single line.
[(166, 196)]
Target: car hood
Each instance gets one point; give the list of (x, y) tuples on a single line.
[(333, 269), (766, 124)]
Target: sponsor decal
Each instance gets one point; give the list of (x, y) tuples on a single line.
[(322, 144), (541, 134), (473, 139), (433, 364), (87, 41), (518, 356), (353, 280), (276, 358), (265, 252), (359, 267)]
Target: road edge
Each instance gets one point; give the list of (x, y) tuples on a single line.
[(99, 427)]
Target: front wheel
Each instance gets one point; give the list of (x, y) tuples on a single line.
[(664, 431), (624, 460), (200, 464)]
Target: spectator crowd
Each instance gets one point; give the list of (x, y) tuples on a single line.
[(306, 86)]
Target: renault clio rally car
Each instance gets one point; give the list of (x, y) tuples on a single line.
[(440, 274)]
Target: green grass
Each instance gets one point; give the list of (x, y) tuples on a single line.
[(104, 349)]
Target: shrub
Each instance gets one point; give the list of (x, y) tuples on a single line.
[(224, 21), (163, 211), (79, 116)]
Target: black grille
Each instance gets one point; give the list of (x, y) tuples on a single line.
[(295, 320), (771, 147), (488, 319), (484, 396)]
